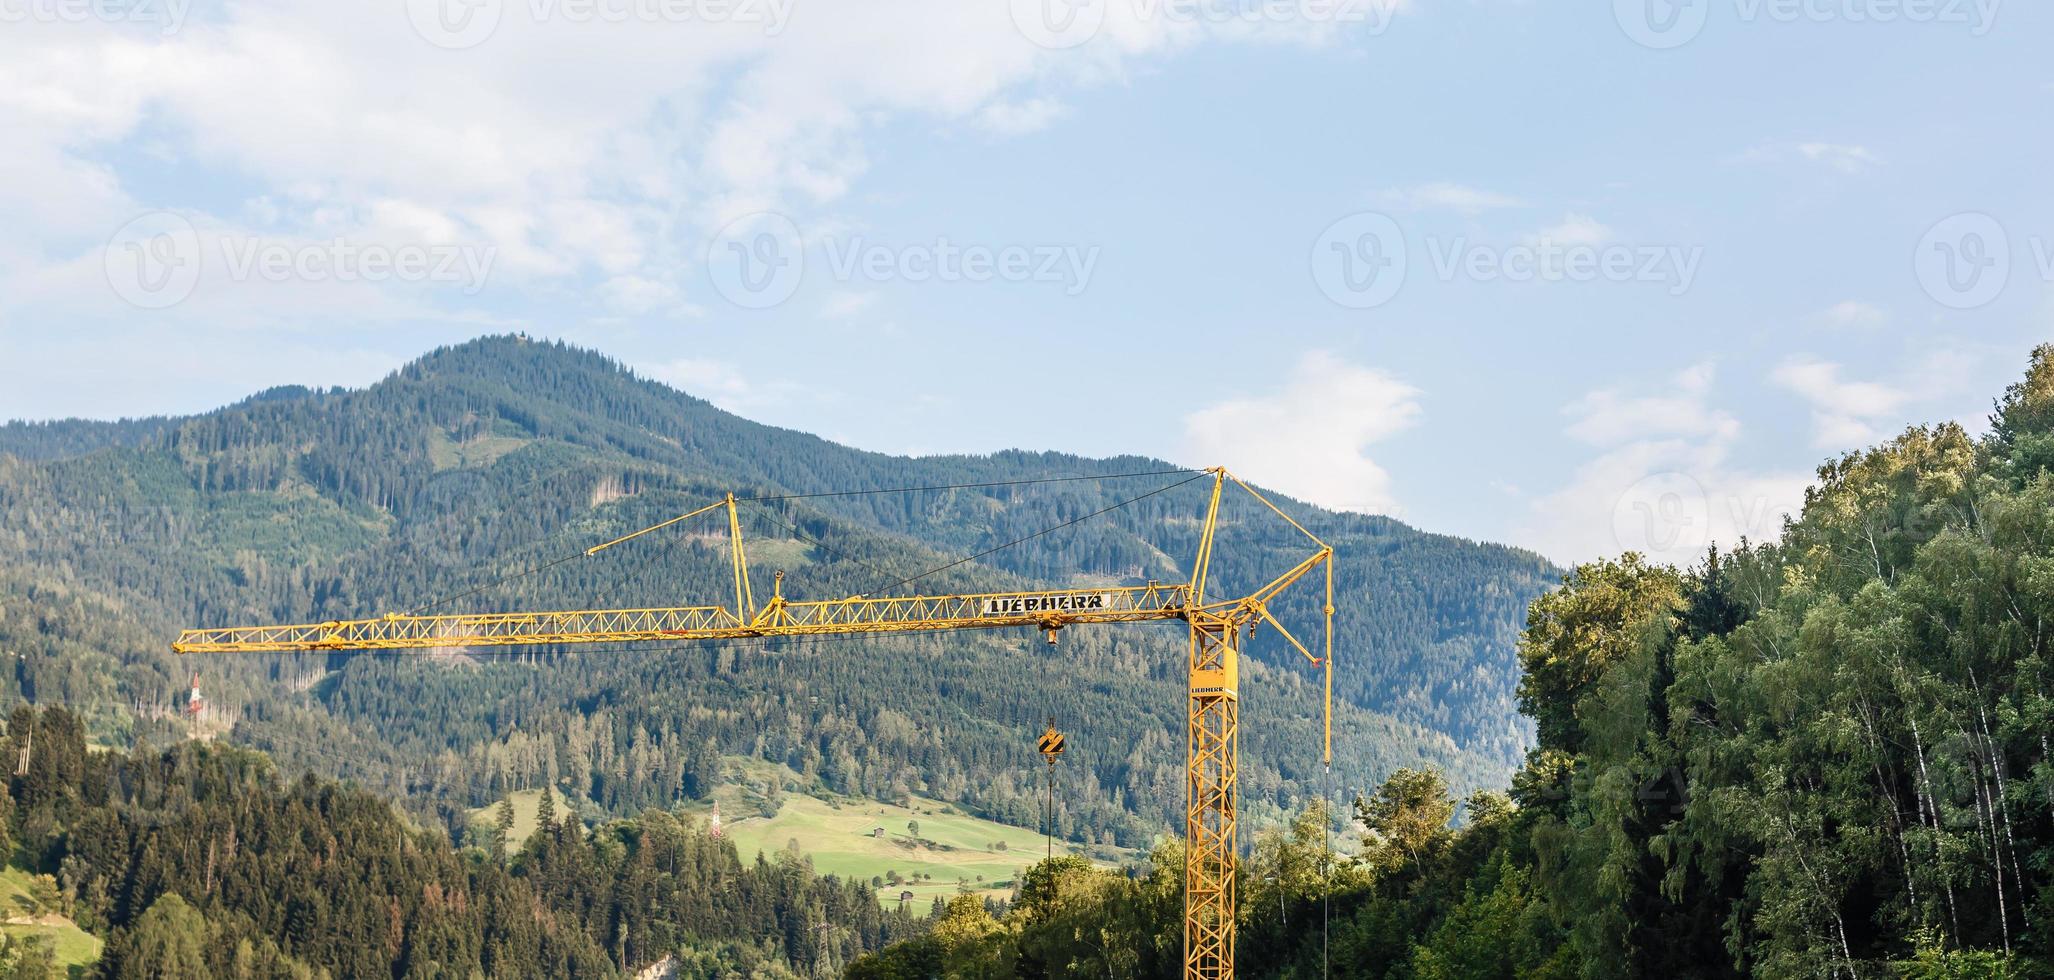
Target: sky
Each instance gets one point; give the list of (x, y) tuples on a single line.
[(1580, 277)]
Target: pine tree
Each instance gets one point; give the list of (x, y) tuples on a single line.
[(502, 826), (545, 813)]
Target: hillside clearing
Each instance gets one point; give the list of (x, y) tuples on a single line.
[(22, 914), (952, 852), (527, 808)]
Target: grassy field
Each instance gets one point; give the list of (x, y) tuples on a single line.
[(483, 451), (527, 807), (952, 851), (22, 915)]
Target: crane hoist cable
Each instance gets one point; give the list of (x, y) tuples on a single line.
[(1326, 869), (1051, 746)]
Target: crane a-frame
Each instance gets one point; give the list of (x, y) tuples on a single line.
[(1218, 629)]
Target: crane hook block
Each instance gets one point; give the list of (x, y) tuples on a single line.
[(1052, 744)]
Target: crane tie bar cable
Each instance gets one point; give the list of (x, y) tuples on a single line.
[(797, 532), (1043, 531), (537, 569), (495, 583), (966, 486)]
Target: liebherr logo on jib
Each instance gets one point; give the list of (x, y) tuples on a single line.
[(1014, 605)]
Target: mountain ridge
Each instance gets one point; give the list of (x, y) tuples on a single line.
[(475, 457)]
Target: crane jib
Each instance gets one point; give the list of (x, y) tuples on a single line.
[(1014, 605), (1217, 630)]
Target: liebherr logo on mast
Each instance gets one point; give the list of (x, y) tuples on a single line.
[(1015, 605)]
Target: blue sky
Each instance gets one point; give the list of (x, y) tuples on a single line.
[(1630, 286)]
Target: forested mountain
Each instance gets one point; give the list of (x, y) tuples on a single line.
[(438, 487), (1824, 757)]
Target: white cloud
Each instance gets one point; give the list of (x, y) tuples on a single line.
[(719, 382), (1849, 414), (603, 153), (1608, 416), (1842, 157), (1843, 412), (1016, 118), (1846, 158), (634, 294), (1444, 196), (1573, 229), (1311, 438), (1663, 481), (1854, 314)]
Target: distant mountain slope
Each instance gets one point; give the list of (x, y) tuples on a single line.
[(482, 460)]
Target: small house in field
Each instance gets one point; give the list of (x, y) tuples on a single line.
[(905, 897), (878, 833)]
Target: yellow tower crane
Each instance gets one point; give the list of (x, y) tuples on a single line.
[(1218, 628)]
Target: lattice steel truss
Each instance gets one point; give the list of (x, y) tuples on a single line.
[(1217, 628)]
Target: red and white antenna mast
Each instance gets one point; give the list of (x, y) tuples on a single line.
[(195, 702), (713, 828)]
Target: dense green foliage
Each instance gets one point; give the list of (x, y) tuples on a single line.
[(1826, 757), (481, 461), (201, 861)]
